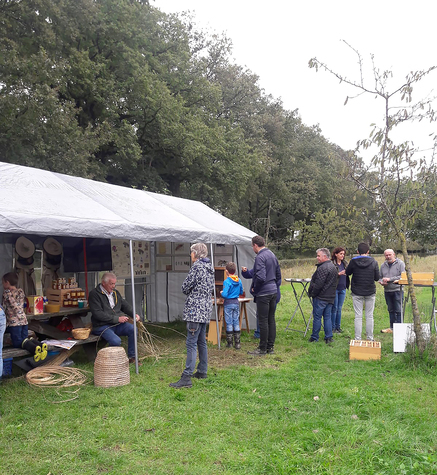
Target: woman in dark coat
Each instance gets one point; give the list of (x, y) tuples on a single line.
[(337, 257), (198, 286)]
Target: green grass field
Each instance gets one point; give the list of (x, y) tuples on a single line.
[(305, 410)]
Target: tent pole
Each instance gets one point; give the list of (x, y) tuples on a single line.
[(215, 299), (133, 302)]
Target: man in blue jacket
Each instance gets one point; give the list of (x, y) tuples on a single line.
[(266, 279)]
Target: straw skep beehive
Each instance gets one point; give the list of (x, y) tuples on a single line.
[(111, 367)]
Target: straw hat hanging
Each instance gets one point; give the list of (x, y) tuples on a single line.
[(111, 367), (24, 251), (51, 262), (52, 252)]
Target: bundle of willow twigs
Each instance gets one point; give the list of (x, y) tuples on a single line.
[(146, 344), (56, 377)]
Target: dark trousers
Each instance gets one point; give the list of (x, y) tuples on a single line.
[(265, 309), (394, 306)]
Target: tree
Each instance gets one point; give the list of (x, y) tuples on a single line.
[(399, 192)]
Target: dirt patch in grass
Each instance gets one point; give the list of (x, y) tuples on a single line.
[(172, 344)]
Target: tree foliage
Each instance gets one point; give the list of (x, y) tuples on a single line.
[(400, 180), (118, 91)]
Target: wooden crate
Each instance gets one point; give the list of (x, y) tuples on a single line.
[(364, 350), (57, 296)]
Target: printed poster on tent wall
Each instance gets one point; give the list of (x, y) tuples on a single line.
[(121, 260)]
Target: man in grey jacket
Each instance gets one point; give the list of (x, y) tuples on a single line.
[(390, 272)]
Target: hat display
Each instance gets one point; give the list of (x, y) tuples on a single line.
[(52, 246), (24, 247), (52, 252)]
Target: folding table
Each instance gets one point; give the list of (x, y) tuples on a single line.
[(304, 283), (420, 279)]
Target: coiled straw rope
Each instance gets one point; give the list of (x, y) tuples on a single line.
[(56, 377), (60, 378)]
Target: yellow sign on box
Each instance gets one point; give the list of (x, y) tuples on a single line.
[(35, 304)]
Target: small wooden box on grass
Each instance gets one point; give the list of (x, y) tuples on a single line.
[(364, 350)]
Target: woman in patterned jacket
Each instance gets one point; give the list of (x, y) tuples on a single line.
[(198, 286)]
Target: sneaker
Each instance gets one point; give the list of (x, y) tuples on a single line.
[(257, 352), (328, 340), (270, 351), (335, 331), (339, 330), (387, 330), (311, 340)]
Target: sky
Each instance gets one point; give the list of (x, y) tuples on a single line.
[(276, 39)]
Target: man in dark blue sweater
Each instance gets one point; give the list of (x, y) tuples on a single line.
[(266, 279), (365, 272)]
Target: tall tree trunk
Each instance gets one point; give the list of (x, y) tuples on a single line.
[(420, 339), (268, 221)]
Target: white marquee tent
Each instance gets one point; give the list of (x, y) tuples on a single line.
[(43, 203), (40, 202)]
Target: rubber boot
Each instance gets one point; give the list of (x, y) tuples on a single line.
[(184, 382), (40, 351), (229, 336), (237, 343), (35, 348)]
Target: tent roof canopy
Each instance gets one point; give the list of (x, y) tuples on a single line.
[(40, 202)]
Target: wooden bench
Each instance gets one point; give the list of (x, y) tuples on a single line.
[(89, 348), (419, 278)]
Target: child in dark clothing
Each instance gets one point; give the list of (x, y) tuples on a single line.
[(232, 289), (13, 304)]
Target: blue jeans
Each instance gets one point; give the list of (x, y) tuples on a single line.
[(112, 334), (394, 306), (196, 340), (321, 309), (232, 317), (2, 332), (18, 335), (265, 310), (340, 295)]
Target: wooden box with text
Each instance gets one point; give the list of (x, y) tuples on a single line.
[(58, 296), (364, 350)]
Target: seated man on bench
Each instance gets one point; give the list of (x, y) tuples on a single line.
[(110, 314)]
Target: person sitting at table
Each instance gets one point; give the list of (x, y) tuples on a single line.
[(13, 304), (110, 313)]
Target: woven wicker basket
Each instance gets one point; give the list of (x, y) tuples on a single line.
[(81, 333), (111, 367)]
